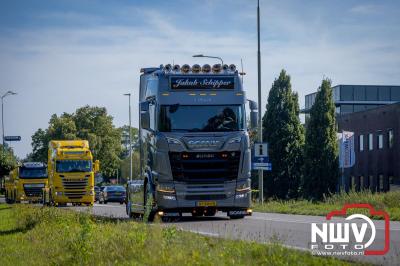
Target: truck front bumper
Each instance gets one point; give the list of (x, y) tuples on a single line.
[(188, 197)]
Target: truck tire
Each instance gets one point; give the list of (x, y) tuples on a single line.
[(236, 216), (149, 210), (210, 213)]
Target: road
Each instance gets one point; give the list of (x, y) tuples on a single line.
[(293, 231)]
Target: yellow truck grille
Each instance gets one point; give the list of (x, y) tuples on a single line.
[(74, 188)]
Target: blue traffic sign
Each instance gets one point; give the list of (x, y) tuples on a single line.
[(260, 159), (12, 138)]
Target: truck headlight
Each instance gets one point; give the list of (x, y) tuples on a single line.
[(59, 193), (166, 188), (243, 187)]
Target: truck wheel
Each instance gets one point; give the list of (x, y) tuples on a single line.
[(149, 211), (210, 213), (105, 202), (236, 216)]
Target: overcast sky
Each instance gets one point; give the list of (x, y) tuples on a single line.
[(61, 55)]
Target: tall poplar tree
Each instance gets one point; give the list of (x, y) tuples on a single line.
[(321, 171), (285, 136)]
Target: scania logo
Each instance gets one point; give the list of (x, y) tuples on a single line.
[(204, 143)]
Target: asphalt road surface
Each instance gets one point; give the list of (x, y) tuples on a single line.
[(293, 231)]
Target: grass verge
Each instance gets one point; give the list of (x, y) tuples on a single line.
[(390, 202), (38, 236)]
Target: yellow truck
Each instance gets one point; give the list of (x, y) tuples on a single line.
[(26, 182), (10, 186), (30, 181), (71, 173)]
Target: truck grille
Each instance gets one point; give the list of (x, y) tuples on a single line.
[(33, 191), (206, 197), (74, 188), (204, 166)]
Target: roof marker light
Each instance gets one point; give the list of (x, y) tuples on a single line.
[(216, 68), (176, 68), (185, 68), (225, 67), (168, 67), (232, 67), (206, 68), (196, 68)]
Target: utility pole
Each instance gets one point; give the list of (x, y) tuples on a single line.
[(130, 137), (2, 111), (260, 136)]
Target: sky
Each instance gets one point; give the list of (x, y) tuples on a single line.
[(61, 55)]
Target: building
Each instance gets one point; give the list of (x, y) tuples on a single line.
[(377, 146), (356, 98)]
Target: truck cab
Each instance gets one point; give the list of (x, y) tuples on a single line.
[(71, 173), (194, 145), (32, 179)]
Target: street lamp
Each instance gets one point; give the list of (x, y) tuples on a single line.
[(209, 56), (130, 137), (2, 110), (260, 135)]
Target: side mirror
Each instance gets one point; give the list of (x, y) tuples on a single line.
[(144, 115), (96, 166), (253, 119), (145, 120), (253, 114), (144, 106)]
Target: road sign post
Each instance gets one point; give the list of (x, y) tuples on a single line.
[(260, 160)]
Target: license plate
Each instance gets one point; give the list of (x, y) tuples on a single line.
[(206, 203)]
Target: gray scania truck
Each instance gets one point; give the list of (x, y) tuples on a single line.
[(194, 146)]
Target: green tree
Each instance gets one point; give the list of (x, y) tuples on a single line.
[(321, 171), (90, 123), (7, 161), (285, 136), (135, 166)]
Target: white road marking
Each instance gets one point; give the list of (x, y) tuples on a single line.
[(303, 222), (202, 233)]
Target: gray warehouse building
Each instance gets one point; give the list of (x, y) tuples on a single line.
[(372, 112), (356, 98)]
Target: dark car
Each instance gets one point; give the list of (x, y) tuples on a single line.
[(113, 194), (96, 193)]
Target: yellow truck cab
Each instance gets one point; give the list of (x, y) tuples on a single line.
[(71, 173), (31, 180), (10, 186)]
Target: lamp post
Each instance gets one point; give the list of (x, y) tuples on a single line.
[(209, 56), (2, 110), (260, 136), (130, 137)]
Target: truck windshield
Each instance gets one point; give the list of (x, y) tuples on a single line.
[(32, 173), (201, 118), (68, 166)]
